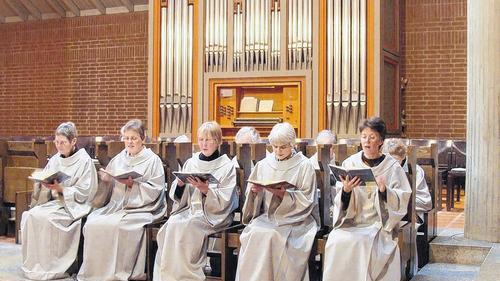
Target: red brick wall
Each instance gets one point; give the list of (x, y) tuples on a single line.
[(434, 58), (90, 70)]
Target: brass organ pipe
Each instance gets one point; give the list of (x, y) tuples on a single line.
[(346, 59), (265, 35), (170, 68), (337, 74), (207, 34), (184, 49), (300, 28), (163, 68), (290, 33), (278, 36), (329, 64), (247, 35), (190, 70), (224, 36), (362, 61), (354, 65), (309, 33), (217, 34)]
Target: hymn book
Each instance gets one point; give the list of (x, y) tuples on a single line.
[(206, 177), (123, 175), (48, 176), (364, 174), (272, 184)]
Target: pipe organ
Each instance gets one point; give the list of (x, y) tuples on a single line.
[(346, 65), (242, 39), (176, 67)]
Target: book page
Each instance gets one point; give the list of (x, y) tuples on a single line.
[(123, 175), (249, 104), (271, 183), (48, 176), (207, 177), (266, 105)]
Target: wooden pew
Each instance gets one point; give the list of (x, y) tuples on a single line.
[(427, 159), (173, 155), (324, 204), (22, 158), (301, 145), (106, 148), (247, 156), (407, 232)]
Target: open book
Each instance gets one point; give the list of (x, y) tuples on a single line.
[(272, 184), (123, 175), (202, 176), (365, 174), (48, 176)]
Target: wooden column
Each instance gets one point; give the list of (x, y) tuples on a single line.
[(482, 209)]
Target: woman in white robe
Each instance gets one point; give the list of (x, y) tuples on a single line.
[(200, 209), (115, 245), (363, 244), (50, 231), (281, 223), (397, 149), (324, 137)]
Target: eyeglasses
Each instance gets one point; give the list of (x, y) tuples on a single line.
[(61, 142), (132, 139)]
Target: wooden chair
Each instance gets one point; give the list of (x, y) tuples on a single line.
[(456, 172), (22, 158)]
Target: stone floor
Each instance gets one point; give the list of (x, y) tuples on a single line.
[(10, 261), (447, 272)]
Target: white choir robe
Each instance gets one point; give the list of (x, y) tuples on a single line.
[(183, 239), (115, 244), (50, 231), (276, 243), (363, 244), (423, 200)]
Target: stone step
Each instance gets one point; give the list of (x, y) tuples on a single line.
[(456, 249), (447, 272)]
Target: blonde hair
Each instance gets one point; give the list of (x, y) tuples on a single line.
[(136, 126), (282, 133), (212, 129), (395, 147)]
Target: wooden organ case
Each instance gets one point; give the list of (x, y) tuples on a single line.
[(313, 59), (260, 103)]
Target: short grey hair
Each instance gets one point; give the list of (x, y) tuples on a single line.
[(247, 131), (67, 129), (395, 146), (182, 138), (212, 129), (326, 137), (282, 133), (135, 125)]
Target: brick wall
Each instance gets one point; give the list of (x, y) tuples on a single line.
[(90, 70), (434, 58)]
